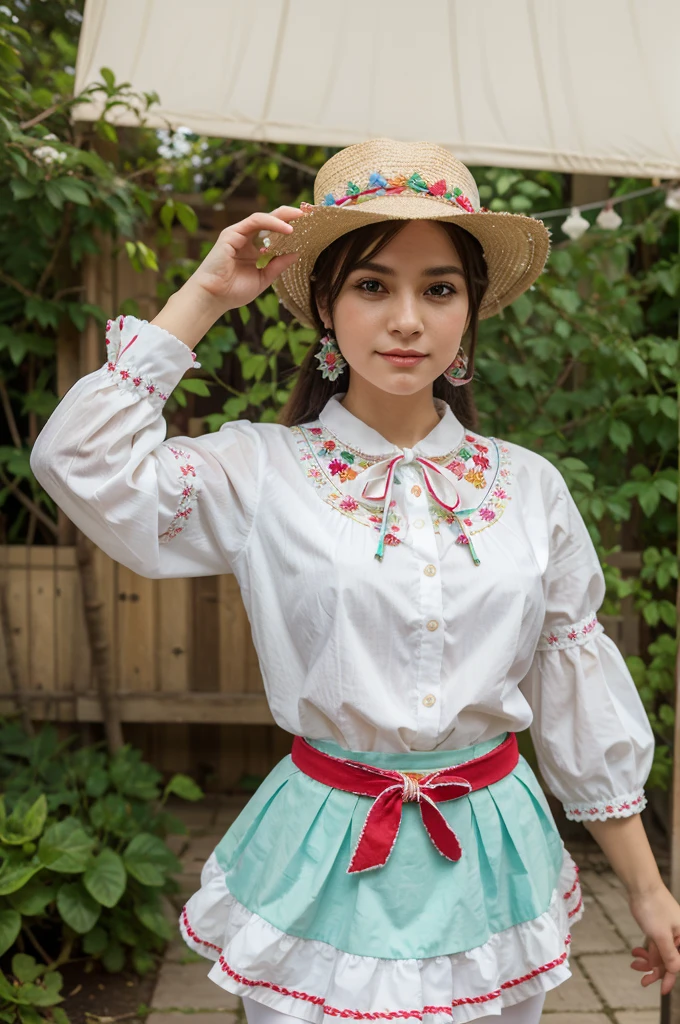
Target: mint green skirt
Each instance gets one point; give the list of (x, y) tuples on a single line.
[(285, 859)]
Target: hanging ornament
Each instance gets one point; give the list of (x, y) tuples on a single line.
[(608, 218), (673, 199), (575, 225)]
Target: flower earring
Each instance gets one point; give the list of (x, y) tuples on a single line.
[(456, 372), (331, 362)]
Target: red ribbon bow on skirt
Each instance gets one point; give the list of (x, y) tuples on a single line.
[(392, 788)]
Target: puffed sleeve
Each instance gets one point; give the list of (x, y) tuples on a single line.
[(590, 731), (164, 508)]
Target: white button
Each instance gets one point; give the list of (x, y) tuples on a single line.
[(429, 699), (432, 625), (429, 570), (418, 523)]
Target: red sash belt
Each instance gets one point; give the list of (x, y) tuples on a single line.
[(391, 788)]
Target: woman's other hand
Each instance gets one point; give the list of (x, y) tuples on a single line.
[(658, 915)]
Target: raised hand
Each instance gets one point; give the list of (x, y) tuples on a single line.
[(229, 273)]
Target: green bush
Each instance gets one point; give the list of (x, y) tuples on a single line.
[(84, 862), (31, 996)]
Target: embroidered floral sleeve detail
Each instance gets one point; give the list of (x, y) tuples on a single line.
[(188, 492), (617, 807), (126, 376), (570, 636)]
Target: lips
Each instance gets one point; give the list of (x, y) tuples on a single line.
[(402, 358)]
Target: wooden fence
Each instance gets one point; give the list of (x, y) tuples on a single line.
[(186, 677)]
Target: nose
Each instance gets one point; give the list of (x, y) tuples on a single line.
[(406, 318)]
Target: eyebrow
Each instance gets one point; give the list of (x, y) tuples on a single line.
[(380, 268)]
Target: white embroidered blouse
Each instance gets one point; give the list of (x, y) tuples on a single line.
[(480, 617)]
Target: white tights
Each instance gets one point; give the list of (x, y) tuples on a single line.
[(526, 1012)]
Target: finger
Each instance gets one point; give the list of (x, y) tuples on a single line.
[(667, 984), (241, 233), (668, 953), (287, 212), (277, 266), (651, 977)]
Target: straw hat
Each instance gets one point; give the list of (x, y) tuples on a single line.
[(383, 179)]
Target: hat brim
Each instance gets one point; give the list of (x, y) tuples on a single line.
[(515, 246)]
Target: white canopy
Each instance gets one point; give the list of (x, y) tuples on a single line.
[(584, 86)]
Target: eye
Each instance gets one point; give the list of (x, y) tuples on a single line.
[(443, 284), (374, 291), (368, 280)]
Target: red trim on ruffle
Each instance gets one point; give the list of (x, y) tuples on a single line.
[(333, 1011), (574, 886)]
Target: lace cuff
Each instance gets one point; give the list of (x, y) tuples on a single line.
[(618, 807), (572, 635), (129, 360)]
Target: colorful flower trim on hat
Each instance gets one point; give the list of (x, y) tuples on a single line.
[(380, 186)]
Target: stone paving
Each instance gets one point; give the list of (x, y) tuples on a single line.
[(602, 990)]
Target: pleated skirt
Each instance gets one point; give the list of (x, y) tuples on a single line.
[(422, 937)]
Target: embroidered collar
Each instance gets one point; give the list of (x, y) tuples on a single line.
[(465, 474), (351, 432)]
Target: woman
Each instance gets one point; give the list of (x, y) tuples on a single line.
[(418, 593)]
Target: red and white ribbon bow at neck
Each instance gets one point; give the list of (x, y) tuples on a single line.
[(375, 484)]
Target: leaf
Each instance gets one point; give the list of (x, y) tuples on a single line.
[(105, 878), (26, 968), (148, 256), (114, 957), (669, 407), (143, 961), (184, 787), (108, 76), (187, 217), (167, 213), (668, 489), (109, 814), (21, 828), (74, 190), (97, 782), (244, 313), (54, 195), (522, 308), (106, 130), (149, 860), (649, 497), (638, 362), (65, 847), (566, 298), (77, 908), (35, 817), (22, 189), (96, 941), (32, 898), (46, 993), (153, 919), (14, 875), (620, 434), (561, 262), (196, 386), (10, 926)]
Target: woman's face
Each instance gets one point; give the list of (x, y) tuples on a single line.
[(411, 298)]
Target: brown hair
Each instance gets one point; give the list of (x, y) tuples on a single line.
[(333, 265)]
